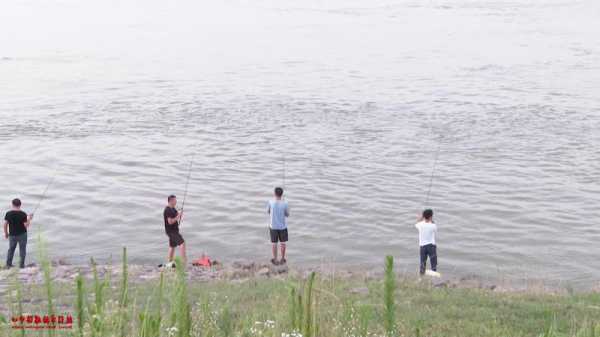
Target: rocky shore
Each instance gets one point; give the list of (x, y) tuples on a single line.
[(66, 273)]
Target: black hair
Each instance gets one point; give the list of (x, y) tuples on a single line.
[(428, 214), (16, 202), (278, 191), (171, 197)]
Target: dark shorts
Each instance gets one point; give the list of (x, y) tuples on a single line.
[(175, 239), (431, 252), (278, 235)]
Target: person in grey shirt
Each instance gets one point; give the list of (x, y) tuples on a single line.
[(278, 210)]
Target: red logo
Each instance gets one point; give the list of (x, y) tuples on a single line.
[(37, 322)]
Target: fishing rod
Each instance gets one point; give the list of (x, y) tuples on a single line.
[(187, 183), (437, 152), (44, 193), (283, 157), (283, 186)]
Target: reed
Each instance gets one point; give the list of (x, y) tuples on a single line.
[(388, 297), (80, 304), (149, 322), (182, 306), (98, 289), (47, 276), (151, 317), (124, 316), (365, 316), (302, 313), (19, 300), (225, 323), (293, 309), (208, 319), (98, 318), (309, 318), (3, 325), (593, 330), (124, 280)]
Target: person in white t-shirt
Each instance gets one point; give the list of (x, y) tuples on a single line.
[(427, 231)]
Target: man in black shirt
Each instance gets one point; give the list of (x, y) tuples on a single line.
[(16, 223), (172, 218)]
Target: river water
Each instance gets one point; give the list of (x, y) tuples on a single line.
[(345, 103)]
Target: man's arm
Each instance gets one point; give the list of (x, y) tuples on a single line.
[(5, 229), (174, 219), (419, 219), (287, 210), (28, 221)]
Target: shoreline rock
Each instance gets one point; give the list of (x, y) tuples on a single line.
[(240, 271)]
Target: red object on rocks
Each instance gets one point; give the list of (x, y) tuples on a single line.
[(204, 261)]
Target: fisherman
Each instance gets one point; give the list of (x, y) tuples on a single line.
[(16, 223), (427, 231), (172, 218), (278, 210)]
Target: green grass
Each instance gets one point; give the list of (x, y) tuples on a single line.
[(315, 306)]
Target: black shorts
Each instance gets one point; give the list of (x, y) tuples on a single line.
[(175, 239), (278, 235)]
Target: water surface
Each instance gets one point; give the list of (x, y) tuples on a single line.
[(342, 102)]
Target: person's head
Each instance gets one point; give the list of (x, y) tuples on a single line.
[(428, 214), (278, 192), (16, 203), (172, 200)]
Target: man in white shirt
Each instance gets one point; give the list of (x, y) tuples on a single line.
[(427, 231)]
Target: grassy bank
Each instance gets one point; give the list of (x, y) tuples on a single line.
[(309, 306)]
